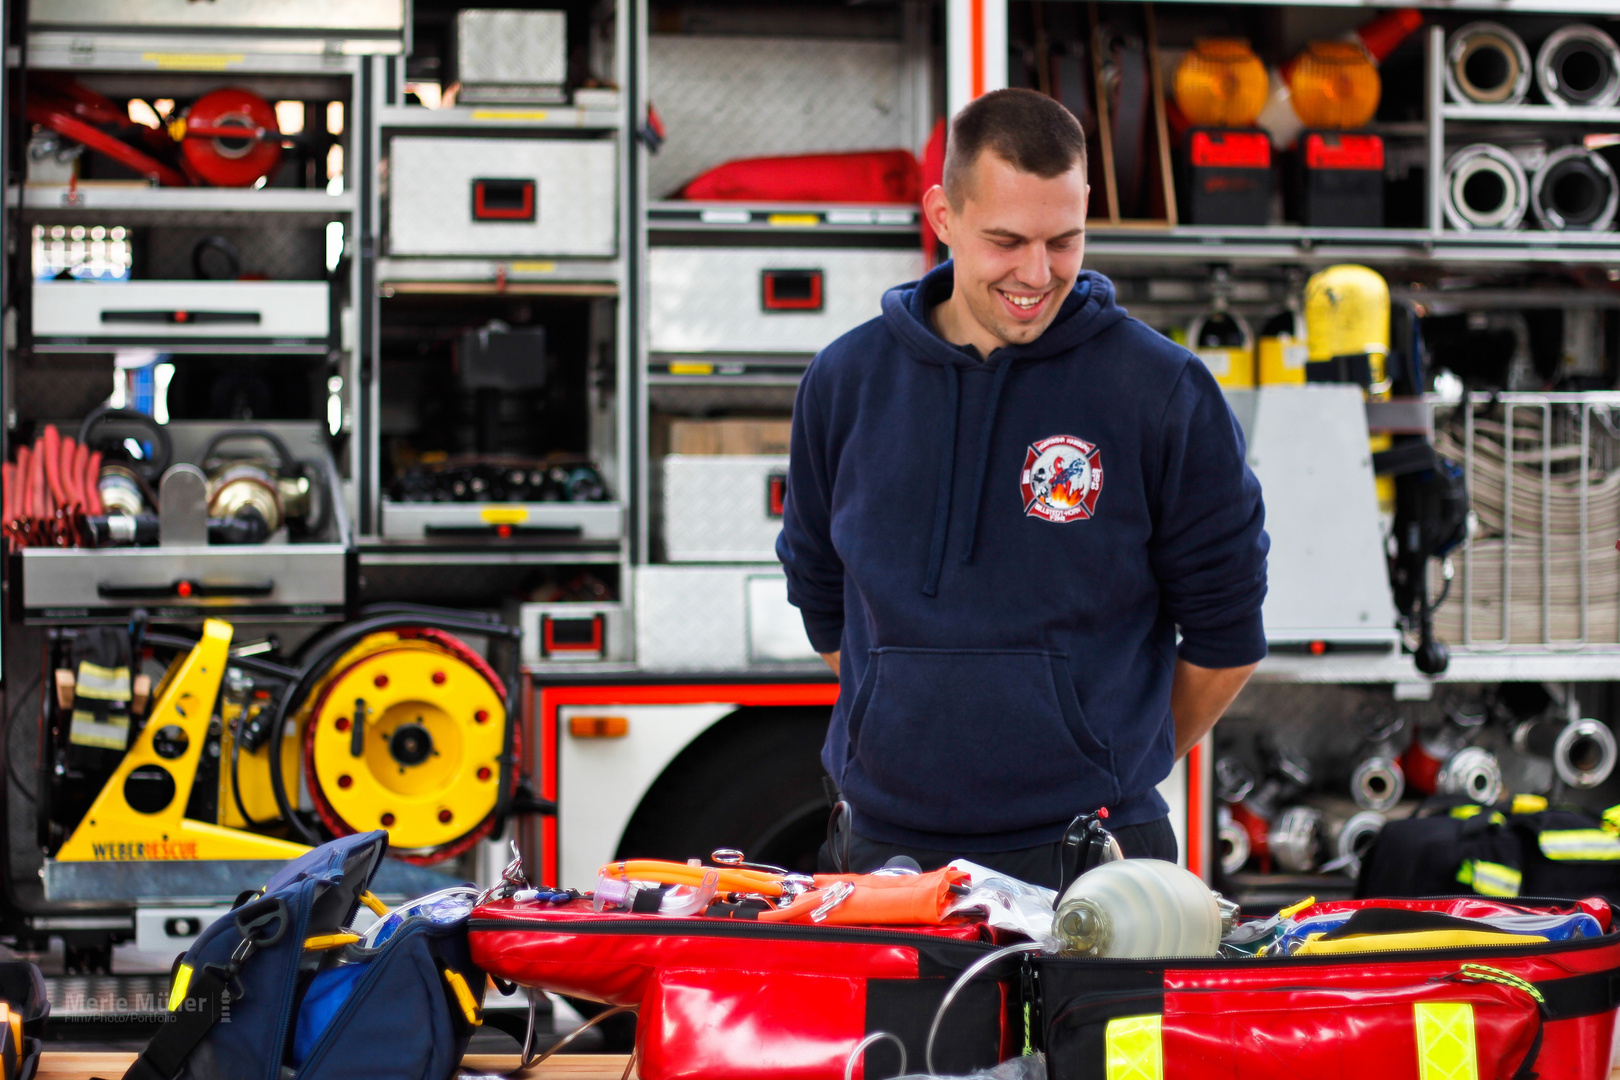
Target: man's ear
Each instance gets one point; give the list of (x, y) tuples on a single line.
[(937, 212)]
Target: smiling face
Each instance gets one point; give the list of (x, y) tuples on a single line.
[(1016, 242)]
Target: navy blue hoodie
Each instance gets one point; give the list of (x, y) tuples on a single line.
[(1004, 550)]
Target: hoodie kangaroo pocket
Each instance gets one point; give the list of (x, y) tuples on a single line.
[(973, 741)]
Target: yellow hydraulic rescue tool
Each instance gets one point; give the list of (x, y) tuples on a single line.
[(140, 813)]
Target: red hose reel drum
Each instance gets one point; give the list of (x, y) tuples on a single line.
[(230, 138)]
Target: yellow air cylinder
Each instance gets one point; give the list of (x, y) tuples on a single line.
[(1281, 353), (1347, 314), (1223, 341)]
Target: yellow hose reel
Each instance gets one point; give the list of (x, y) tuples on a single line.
[(405, 732)]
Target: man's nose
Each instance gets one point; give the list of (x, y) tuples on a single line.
[(1035, 267)]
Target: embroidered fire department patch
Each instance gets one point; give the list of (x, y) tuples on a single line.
[(1062, 478)]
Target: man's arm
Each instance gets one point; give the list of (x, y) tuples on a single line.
[(832, 660), (1198, 697)]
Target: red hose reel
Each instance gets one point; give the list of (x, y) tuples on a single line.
[(228, 138)]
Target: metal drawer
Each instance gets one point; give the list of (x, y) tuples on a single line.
[(366, 17), (460, 196), (748, 300), (722, 508), (569, 633), (276, 580), (555, 520), (169, 313)]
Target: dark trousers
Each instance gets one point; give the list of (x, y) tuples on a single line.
[(1036, 865)]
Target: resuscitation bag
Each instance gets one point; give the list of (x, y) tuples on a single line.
[(1405, 1005), (738, 999), (282, 989)]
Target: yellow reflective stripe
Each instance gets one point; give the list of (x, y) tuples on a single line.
[(1463, 813), (330, 941), (1490, 879), (1445, 1040), (1611, 820), (1529, 804), (1581, 844), (101, 683), (374, 904), (469, 1004), (182, 983), (1132, 1050)]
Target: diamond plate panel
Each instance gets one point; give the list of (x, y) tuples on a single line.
[(716, 508), (431, 196), (280, 254), (712, 299), (733, 97), (720, 618), (500, 45)]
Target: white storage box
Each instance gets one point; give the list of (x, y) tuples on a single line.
[(275, 313), (502, 197), (723, 508), (766, 300), (364, 17), (503, 54)]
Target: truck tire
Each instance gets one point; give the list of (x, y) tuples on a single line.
[(753, 781)]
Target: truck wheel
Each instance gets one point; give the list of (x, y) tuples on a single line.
[(753, 781)]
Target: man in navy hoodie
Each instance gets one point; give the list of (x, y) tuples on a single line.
[(1005, 499)]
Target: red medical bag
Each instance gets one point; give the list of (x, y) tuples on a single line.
[(1490, 1012), (737, 999), (865, 176)]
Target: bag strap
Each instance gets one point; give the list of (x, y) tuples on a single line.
[(199, 997)]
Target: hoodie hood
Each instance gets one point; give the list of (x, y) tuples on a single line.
[(1087, 311)]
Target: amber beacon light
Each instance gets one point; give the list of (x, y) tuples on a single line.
[(1334, 85), (1221, 83)]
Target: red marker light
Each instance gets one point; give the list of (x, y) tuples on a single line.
[(1318, 648), (182, 316), (504, 532), (183, 590)]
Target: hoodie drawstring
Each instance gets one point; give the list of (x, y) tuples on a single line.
[(947, 479), (985, 433)]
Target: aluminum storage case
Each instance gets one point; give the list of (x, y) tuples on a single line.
[(722, 508), (766, 300), (275, 580), (565, 633), (300, 17), (494, 197), (718, 618), (171, 314), (511, 56)]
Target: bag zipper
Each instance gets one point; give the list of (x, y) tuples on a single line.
[(729, 928)]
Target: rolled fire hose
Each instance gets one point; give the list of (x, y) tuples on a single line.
[(1352, 838), (1574, 190), (1486, 188), (1578, 67), (1234, 781), (1473, 772), (1232, 840), (1377, 782), (1583, 752), (1296, 839), (1487, 64)]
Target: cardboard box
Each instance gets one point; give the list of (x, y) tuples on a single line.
[(729, 437)]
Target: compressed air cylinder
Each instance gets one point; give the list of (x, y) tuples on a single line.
[(1138, 908), (1347, 315)]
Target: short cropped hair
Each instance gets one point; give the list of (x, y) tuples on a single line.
[(1030, 131)]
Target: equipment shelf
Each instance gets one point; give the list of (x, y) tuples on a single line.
[(500, 118), (784, 218), (150, 205)]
